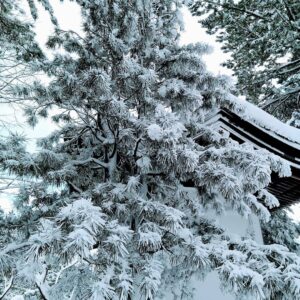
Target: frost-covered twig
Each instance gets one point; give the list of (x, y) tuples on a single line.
[(7, 287)]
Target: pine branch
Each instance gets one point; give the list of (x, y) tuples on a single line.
[(230, 7), (62, 270), (40, 283), (14, 247), (283, 98), (7, 288), (89, 160), (136, 147), (77, 189), (289, 11)]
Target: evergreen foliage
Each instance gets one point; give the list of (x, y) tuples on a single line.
[(18, 54), (109, 216), (263, 38), (295, 120), (281, 229), (17, 36)]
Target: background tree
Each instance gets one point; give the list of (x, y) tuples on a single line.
[(109, 216), (263, 38), (19, 55), (281, 229), (18, 48)]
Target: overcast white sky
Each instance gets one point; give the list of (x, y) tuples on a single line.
[(68, 15)]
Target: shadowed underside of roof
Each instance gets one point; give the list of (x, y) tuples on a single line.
[(287, 189)]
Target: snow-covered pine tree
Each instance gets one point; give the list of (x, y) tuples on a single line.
[(263, 38), (110, 216)]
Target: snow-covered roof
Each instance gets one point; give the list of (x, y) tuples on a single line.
[(252, 113)]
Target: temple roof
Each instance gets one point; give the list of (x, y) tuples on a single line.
[(253, 125)]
